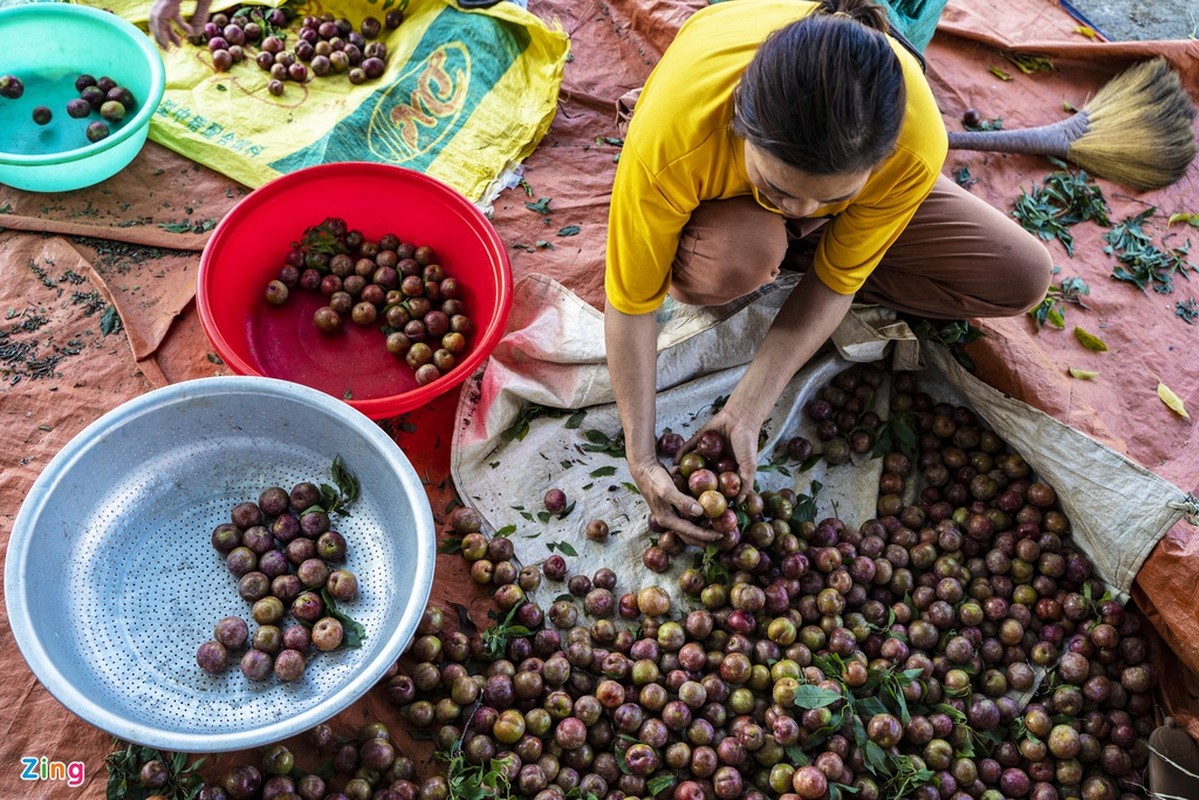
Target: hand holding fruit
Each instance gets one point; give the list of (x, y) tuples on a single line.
[(726, 431), (668, 506), (167, 15)]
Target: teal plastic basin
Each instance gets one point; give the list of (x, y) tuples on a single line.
[(47, 45)]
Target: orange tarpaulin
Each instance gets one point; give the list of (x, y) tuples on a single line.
[(66, 258)]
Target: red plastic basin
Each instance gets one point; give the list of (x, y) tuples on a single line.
[(247, 249)]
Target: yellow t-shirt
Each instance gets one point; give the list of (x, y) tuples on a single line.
[(680, 150)]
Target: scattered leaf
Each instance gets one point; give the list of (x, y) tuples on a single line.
[(1089, 340), (1028, 63), (1186, 310), (1172, 401), (542, 206), (1142, 263), (110, 322), (1190, 219), (998, 73), (1064, 199), (569, 230), (1069, 107), (993, 124), (1083, 374), (1085, 30)]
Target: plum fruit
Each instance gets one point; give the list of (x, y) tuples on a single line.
[(11, 87)]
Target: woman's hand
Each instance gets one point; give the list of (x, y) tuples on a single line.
[(166, 20), (667, 505), (741, 439)]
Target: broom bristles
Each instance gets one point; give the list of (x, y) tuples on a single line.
[(1140, 129)]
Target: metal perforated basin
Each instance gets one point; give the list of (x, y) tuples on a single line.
[(111, 580)]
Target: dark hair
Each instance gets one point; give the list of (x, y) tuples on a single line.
[(825, 94)]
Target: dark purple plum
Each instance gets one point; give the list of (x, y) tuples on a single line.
[(232, 632), (289, 665), (78, 108), (331, 546), (327, 634), (342, 585), (257, 666), (226, 537), (212, 657), (11, 87), (308, 607)]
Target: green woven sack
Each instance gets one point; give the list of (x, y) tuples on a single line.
[(915, 19)]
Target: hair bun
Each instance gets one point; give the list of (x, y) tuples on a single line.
[(865, 12)]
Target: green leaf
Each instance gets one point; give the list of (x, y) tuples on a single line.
[(347, 482), (602, 472), (569, 230), (451, 545), (574, 420), (1083, 374), (1030, 63), (796, 756), (809, 696), (1190, 219), (506, 531), (566, 549), (1187, 310), (963, 178), (542, 206), (660, 784), (870, 706), (952, 712), (876, 758), (110, 321), (1089, 340), (354, 632)]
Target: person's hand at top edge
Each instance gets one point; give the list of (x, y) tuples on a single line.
[(167, 21)]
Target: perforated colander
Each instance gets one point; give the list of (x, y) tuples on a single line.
[(112, 582)]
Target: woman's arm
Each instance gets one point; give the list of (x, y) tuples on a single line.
[(166, 16), (802, 326), (631, 343)]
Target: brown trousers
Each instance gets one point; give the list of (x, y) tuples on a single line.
[(958, 258)]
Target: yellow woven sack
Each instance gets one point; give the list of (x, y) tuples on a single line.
[(466, 95)]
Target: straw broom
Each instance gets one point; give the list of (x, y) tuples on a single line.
[(1137, 130)]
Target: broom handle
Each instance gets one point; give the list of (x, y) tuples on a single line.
[(1048, 140)]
